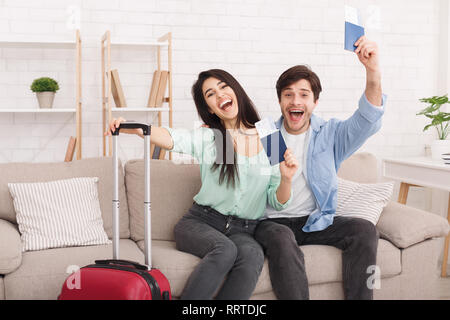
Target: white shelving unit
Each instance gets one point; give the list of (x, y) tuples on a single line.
[(107, 100), (36, 110), (35, 42)]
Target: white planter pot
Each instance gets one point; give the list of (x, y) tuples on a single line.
[(438, 147), (45, 99)]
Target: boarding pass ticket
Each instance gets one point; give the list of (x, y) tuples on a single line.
[(265, 127)]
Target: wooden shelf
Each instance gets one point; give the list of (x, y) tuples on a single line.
[(38, 43), (140, 44), (164, 42), (36, 110), (146, 109)]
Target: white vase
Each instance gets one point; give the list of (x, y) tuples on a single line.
[(438, 147), (45, 99)]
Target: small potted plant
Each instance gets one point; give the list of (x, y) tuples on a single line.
[(45, 89), (440, 120)]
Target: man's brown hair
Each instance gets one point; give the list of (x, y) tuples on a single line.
[(295, 74)]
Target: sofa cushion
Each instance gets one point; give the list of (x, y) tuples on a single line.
[(361, 167), (362, 200), (323, 264), (60, 213), (10, 247), (176, 265), (405, 226), (44, 172), (42, 273), (173, 187)]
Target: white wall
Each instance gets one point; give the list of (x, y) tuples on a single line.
[(255, 40)]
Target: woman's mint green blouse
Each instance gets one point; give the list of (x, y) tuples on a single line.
[(257, 184)]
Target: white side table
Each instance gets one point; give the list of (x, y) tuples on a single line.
[(424, 172)]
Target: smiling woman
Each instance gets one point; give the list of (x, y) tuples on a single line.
[(221, 100), (213, 91)]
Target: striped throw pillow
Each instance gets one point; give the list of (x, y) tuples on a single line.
[(362, 200), (55, 214)]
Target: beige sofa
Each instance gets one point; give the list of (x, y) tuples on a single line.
[(408, 250)]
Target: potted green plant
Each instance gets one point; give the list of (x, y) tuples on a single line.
[(45, 89), (440, 120)]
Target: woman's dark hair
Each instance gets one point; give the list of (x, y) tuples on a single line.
[(247, 115), (295, 74)]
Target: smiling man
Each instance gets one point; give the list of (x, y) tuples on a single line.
[(320, 147)]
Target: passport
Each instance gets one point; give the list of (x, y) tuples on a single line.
[(274, 146), (352, 33), (272, 140)]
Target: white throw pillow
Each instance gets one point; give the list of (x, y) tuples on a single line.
[(363, 200), (60, 213)]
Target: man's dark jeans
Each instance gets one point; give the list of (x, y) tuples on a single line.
[(281, 237)]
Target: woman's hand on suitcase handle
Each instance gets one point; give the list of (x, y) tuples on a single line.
[(159, 136), (115, 123)]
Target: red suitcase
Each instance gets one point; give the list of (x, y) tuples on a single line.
[(121, 279)]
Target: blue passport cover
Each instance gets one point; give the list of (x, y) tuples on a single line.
[(275, 147), (352, 33)]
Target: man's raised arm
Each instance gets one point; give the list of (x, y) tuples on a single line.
[(368, 54)]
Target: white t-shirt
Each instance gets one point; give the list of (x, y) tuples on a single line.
[(303, 201)]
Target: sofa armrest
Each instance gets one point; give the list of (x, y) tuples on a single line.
[(10, 247), (405, 226)]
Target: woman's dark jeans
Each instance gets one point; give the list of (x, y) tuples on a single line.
[(232, 259)]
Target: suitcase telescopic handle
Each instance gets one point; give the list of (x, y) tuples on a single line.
[(146, 128), (133, 125)]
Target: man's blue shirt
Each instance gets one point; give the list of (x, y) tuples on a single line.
[(330, 143)]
